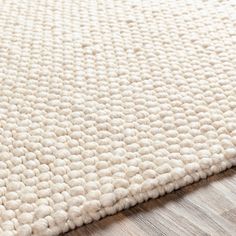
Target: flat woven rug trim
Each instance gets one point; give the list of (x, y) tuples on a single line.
[(107, 103)]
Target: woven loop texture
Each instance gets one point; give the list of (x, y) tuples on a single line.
[(107, 103)]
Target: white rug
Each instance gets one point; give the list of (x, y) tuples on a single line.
[(105, 104)]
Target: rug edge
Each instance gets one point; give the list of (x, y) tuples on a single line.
[(131, 201)]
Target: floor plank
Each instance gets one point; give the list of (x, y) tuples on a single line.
[(204, 208)]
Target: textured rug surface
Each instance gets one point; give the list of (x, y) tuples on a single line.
[(105, 104)]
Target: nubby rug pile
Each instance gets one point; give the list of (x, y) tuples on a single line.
[(107, 103)]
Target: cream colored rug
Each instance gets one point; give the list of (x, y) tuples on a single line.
[(105, 104)]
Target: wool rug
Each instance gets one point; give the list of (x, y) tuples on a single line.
[(107, 103)]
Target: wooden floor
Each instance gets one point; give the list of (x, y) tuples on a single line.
[(204, 208)]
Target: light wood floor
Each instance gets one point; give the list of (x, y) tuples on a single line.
[(204, 208)]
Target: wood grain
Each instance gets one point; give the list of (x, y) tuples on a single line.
[(204, 208)]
